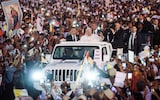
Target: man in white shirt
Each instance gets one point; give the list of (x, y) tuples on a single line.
[(90, 37)]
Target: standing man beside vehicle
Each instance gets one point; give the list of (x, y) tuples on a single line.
[(117, 40), (73, 36), (134, 41)]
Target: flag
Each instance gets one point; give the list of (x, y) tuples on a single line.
[(13, 14), (109, 66), (50, 28), (87, 60), (39, 23)]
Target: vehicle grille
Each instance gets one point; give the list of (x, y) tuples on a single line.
[(64, 75)]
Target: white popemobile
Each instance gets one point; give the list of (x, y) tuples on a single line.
[(67, 58)]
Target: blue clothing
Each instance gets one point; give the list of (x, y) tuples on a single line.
[(9, 74), (15, 21)]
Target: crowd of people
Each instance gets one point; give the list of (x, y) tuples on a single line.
[(126, 24)]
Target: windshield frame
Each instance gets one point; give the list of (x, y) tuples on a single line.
[(79, 47)]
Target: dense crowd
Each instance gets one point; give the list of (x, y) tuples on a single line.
[(126, 24)]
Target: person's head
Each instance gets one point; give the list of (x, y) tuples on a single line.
[(148, 38), (94, 26), (134, 29), (13, 11), (141, 17), (117, 26), (31, 44), (130, 24), (141, 85), (62, 29), (156, 47), (12, 8), (73, 31), (88, 32), (156, 83), (140, 25), (64, 87), (155, 22), (68, 52)]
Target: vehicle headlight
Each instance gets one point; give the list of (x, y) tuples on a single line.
[(37, 75), (91, 76)]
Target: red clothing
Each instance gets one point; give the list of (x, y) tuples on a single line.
[(1, 33), (136, 76)]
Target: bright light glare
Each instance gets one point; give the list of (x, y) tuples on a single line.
[(90, 84), (30, 30), (42, 54), (25, 46), (47, 14), (42, 9), (32, 38), (91, 76), (53, 22), (37, 76), (74, 22)]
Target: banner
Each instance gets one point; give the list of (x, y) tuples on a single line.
[(13, 14), (40, 22)]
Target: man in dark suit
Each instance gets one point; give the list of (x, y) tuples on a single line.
[(117, 40), (73, 36), (156, 32), (108, 35), (134, 42), (146, 24), (126, 36)]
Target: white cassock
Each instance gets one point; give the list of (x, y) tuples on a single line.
[(92, 38)]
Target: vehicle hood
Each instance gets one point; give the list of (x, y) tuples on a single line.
[(63, 65)]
